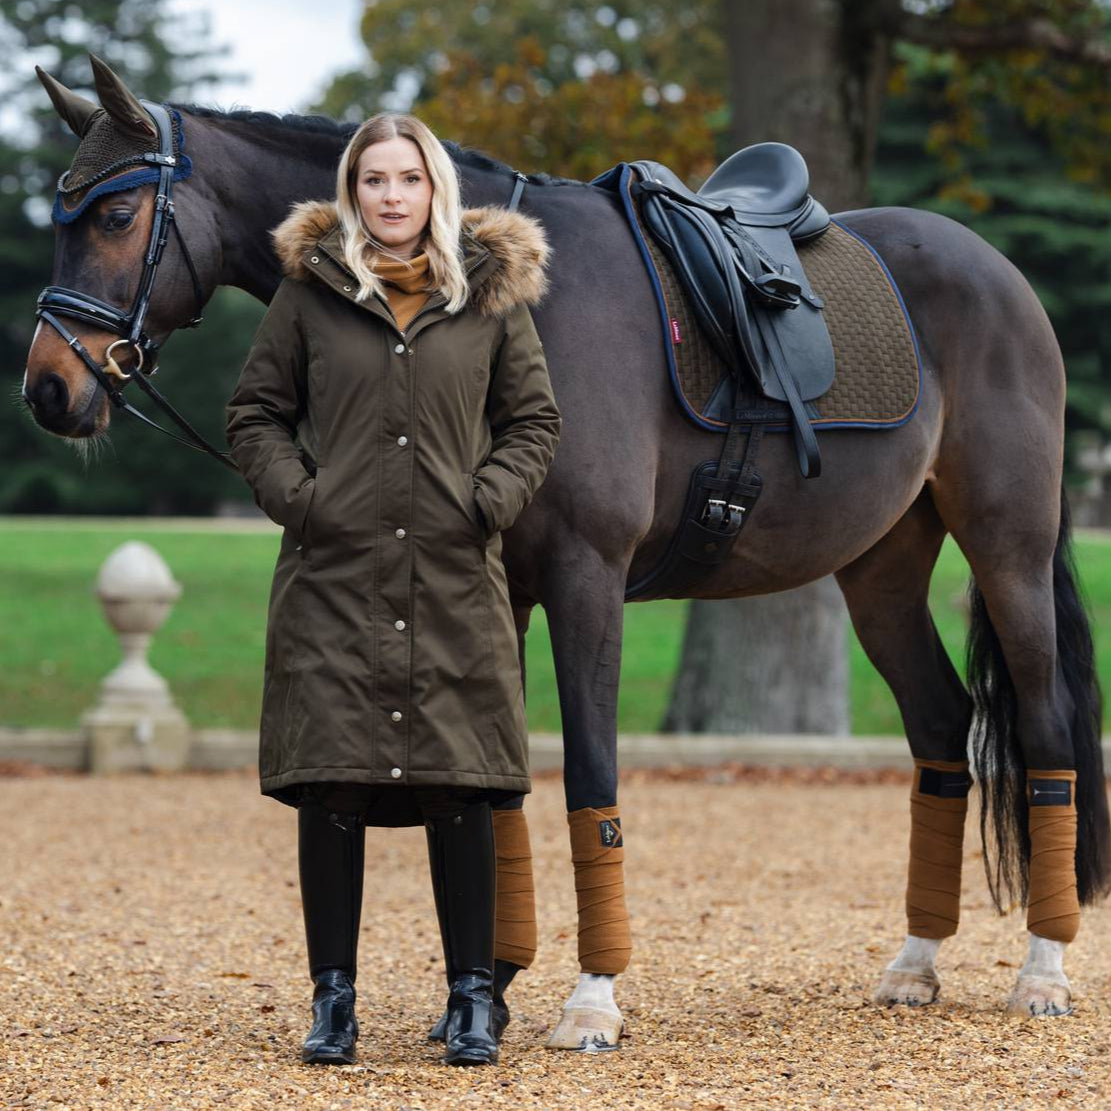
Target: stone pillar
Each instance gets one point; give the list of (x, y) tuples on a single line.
[(135, 724)]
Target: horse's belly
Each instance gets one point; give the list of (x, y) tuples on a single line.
[(803, 529)]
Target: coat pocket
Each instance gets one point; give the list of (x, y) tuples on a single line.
[(474, 513), (306, 536)]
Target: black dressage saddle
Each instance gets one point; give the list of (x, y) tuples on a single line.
[(732, 245)]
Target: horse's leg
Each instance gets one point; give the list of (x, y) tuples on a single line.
[(886, 590), (584, 603), (515, 929), (1037, 742)]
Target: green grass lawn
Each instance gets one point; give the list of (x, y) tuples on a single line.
[(56, 647)]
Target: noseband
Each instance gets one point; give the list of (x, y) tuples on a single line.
[(55, 301)]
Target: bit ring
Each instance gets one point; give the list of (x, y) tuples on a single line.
[(113, 368)]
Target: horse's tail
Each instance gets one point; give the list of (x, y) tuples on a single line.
[(998, 759)]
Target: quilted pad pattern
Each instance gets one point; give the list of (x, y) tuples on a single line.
[(877, 380)]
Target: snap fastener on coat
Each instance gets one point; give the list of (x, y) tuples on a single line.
[(314, 259), (402, 440), (396, 715), (399, 624), (395, 772), (399, 533), (346, 289), (399, 348)]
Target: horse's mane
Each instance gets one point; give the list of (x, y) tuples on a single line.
[(274, 125)]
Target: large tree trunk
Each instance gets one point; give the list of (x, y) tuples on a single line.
[(809, 73)]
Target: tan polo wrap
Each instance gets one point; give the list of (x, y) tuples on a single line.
[(515, 902), (1052, 907), (936, 842), (598, 854)]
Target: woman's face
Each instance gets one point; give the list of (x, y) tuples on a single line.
[(394, 192)]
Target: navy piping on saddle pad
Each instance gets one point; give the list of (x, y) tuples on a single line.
[(130, 179), (619, 179)]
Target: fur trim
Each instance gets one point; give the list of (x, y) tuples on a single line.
[(307, 223), (517, 242)]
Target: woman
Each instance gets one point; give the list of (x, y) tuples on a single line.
[(395, 415)]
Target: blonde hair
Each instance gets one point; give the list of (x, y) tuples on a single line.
[(361, 248)]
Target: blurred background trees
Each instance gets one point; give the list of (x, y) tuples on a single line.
[(996, 112), (163, 57)]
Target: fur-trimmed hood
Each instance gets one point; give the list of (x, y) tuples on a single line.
[(516, 243)]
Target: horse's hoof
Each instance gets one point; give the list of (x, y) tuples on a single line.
[(906, 989), (586, 1030), (1039, 996)]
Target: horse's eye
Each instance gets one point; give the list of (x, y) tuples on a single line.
[(117, 221)]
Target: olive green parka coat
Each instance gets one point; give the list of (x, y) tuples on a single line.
[(394, 460)]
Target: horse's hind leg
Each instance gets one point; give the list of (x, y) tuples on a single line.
[(887, 592), (1037, 741)]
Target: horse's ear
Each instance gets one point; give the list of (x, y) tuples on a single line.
[(121, 103), (72, 107)]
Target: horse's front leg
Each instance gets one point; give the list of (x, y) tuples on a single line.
[(584, 603), (911, 978)]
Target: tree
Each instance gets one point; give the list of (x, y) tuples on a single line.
[(816, 76), (548, 86)]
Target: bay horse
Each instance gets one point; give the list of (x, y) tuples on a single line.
[(981, 460)]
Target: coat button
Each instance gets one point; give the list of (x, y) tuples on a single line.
[(399, 349), (395, 716), (314, 259), (399, 625), (400, 534), (395, 772), (346, 289), (402, 440)]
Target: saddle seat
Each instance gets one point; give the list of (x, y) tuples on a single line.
[(765, 185), (732, 245)]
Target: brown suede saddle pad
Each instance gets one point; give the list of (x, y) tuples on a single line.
[(879, 370)]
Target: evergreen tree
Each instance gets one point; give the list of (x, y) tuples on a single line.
[(1013, 188)]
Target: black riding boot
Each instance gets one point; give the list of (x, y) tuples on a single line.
[(504, 971), (461, 858), (331, 856)]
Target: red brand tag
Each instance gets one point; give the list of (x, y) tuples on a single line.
[(676, 335)]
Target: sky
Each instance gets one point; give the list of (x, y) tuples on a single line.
[(288, 49)]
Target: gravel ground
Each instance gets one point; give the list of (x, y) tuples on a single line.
[(154, 958)]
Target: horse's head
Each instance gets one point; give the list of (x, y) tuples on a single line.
[(103, 315)]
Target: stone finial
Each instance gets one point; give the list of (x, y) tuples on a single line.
[(135, 724)]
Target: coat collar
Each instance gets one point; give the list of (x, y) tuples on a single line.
[(504, 253)]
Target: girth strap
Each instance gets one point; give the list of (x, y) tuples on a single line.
[(720, 498)]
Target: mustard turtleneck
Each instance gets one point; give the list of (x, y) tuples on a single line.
[(404, 284)]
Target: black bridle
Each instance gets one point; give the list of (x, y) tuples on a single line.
[(55, 301)]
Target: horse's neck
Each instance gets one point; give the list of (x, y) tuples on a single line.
[(252, 180), (251, 183)]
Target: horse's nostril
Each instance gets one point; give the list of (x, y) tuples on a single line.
[(49, 398), (54, 391)]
